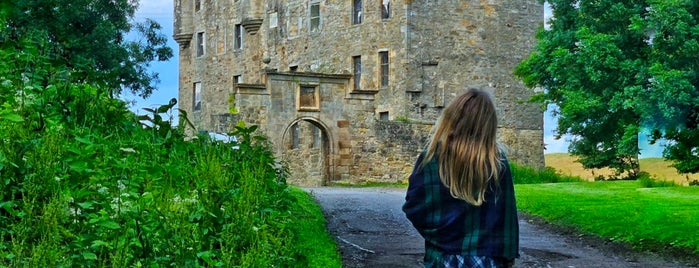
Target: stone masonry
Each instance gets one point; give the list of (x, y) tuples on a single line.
[(348, 90)]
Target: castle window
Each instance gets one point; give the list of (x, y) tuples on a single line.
[(385, 9), (357, 12), (357, 71), (200, 44), (197, 5), (315, 17), (308, 98), (383, 116), (383, 58), (294, 68), (237, 79), (196, 98), (238, 42)]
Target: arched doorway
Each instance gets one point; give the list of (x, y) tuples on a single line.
[(306, 151)]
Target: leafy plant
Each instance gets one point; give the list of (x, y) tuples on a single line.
[(85, 182)]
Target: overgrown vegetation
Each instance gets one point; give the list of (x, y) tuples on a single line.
[(84, 182), (530, 175), (120, 195)]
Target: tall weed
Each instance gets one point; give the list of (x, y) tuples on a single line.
[(84, 182)]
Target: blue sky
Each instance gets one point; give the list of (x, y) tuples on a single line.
[(162, 11)]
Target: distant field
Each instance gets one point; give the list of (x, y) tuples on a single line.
[(657, 167)]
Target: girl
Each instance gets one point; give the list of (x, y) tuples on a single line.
[(461, 195)]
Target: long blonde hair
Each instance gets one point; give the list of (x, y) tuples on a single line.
[(465, 144)]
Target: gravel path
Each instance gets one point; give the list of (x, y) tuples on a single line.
[(372, 231)]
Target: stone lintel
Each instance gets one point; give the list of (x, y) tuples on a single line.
[(308, 74), (362, 95), (252, 89), (364, 92)]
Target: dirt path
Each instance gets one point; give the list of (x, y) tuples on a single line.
[(371, 231)]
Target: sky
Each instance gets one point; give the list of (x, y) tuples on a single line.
[(162, 11)]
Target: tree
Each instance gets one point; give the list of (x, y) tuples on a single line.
[(585, 61), (88, 37), (670, 103), (614, 67)]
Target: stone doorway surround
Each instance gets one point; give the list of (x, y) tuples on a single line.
[(305, 146)]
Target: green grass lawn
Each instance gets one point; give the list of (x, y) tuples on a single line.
[(647, 218)]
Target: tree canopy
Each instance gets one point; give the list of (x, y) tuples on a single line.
[(616, 67), (88, 37)]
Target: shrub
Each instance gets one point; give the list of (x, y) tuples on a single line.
[(531, 175), (85, 183), (647, 181)]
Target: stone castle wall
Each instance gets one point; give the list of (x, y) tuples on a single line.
[(372, 132)]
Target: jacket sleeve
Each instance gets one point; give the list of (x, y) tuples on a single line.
[(419, 206)]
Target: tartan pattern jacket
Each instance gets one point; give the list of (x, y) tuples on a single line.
[(452, 226)]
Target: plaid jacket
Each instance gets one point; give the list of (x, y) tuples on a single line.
[(451, 226)]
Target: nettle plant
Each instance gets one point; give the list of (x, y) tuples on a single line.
[(85, 182)]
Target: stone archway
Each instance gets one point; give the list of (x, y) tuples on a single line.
[(306, 149)]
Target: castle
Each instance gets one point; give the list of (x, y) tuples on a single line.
[(347, 90)]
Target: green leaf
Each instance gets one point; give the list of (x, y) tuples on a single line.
[(89, 255), (99, 243), (78, 166), (110, 225), (83, 140), (195, 217), (86, 205), (12, 117), (205, 254)]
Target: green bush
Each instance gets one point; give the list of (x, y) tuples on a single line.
[(84, 182), (531, 175), (645, 180)]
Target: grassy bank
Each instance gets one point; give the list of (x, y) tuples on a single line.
[(101, 188), (85, 182), (652, 218), (312, 237)]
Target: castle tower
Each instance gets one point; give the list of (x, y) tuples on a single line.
[(347, 90)]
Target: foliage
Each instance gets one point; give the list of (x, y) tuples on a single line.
[(613, 67), (88, 39), (647, 181), (310, 225), (403, 119), (530, 175), (624, 211), (84, 182)]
